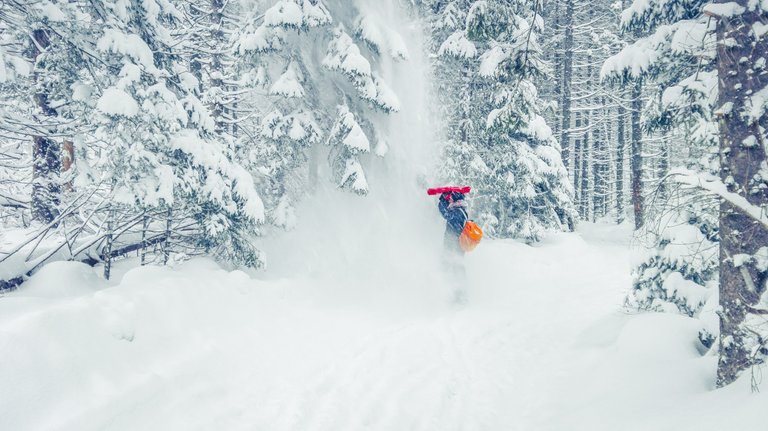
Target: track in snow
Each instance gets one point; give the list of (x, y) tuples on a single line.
[(170, 351)]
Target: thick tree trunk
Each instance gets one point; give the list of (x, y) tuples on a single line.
[(196, 64), (217, 81), (565, 94), (601, 138), (67, 162), (742, 152), (45, 174), (557, 60), (46, 157), (636, 162)]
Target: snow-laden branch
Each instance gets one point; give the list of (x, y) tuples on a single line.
[(717, 187)]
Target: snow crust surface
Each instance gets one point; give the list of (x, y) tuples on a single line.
[(540, 345)]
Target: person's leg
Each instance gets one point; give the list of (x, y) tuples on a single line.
[(460, 281), (453, 262)]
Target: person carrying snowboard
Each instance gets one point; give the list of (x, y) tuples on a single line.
[(453, 208)]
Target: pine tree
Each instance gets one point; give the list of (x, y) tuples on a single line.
[(677, 269), (506, 150), (312, 65), (146, 147)]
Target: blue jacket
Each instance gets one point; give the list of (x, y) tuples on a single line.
[(455, 217)]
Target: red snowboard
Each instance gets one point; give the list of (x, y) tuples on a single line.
[(441, 190)]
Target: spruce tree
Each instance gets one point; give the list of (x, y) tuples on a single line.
[(313, 67), (674, 55), (505, 149)]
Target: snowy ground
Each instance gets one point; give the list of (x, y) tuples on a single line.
[(540, 346)]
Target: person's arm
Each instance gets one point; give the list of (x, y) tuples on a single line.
[(456, 216), (442, 205)]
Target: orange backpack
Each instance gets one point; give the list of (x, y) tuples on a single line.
[(470, 236)]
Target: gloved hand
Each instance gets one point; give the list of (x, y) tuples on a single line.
[(452, 196)]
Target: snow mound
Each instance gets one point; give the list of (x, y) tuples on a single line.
[(60, 280)]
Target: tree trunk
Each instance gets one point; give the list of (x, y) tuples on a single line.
[(577, 161), (742, 152), (605, 159), (600, 194), (167, 240), (109, 242), (196, 64), (557, 60), (620, 149), (565, 95), (46, 157), (144, 228), (67, 162), (636, 168), (217, 81), (586, 162), (663, 169)]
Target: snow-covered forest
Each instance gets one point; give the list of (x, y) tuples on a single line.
[(213, 214)]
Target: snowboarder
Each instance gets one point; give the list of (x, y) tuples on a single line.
[(453, 208)]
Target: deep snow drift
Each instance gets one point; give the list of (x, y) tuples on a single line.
[(540, 346)]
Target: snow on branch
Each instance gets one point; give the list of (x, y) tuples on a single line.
[(757, 105), (289, 14), (380, 37), (353, 177), (717, 187), (692, 37), (349, 133), (131, 45), (284, 14), (261, 40), (289, 83), (724, 10), (344, 55), (635, 59), (457, 45)]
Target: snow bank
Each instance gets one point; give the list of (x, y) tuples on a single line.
[(62, 280)]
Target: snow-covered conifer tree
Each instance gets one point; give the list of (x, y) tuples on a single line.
[(312, 63), (675, 52), (43, 46), (505, 149), (160, 141)]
